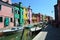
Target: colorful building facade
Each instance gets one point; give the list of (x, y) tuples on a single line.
[(38, 17), (18, 14), (35, 17), (25, 13), (6, 14), (30, 15)]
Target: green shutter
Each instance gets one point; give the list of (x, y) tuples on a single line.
[(1, 19), (6, 21)]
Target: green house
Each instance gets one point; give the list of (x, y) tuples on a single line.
[(15, 10), (18, 14)]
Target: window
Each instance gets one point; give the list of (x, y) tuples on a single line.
[(1, 19), (12, 10), (18, 12), (26, 15), (0, 7), (15, 11), (11, 19)]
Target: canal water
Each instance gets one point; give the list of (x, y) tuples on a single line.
[(27, 35), (18, 35), (11, 36)]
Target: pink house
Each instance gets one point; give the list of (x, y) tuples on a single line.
[(6, 14), (30, 15)]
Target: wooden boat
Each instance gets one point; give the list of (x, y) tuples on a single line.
[(10, 31)]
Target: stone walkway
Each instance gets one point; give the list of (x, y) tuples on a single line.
[(50, 33)]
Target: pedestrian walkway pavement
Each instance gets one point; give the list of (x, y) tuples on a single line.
[(50, 33)]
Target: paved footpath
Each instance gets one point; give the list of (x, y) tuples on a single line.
[(50, 33)]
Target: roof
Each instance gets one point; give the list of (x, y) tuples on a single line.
[(15, 4), (5, 3)]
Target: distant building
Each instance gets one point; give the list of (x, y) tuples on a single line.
[(6, 14), (48, 18), (41, 16), (36, 17)]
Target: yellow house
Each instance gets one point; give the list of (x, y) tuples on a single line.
[(25, 15)]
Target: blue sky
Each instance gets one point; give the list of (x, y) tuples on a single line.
[(45, 7)]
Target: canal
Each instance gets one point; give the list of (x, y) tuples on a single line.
[(25, 34), (19, 35)]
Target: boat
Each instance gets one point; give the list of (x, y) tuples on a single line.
[(10, 31)]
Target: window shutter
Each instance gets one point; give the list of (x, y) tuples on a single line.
[(0, 7)]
